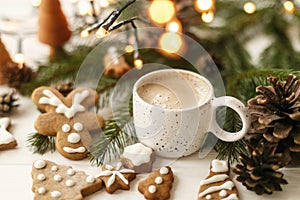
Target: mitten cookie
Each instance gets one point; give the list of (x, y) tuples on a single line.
[(217, 184), (157, 185), (115, 178), (52, 181), (68, 119), (138, 157), (7, 141)]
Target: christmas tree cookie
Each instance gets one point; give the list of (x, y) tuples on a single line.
[(52, 181), (158, 184), (217, 184), (7, 141)]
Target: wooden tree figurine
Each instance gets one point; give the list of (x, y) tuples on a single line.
[(53, 26), (4, 55)]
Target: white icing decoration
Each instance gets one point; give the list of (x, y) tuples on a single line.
[(78, 126), (66, 128), (208, 197), (231, 197), (228, 185), (70, 183), (55, 194), (74, 138), (53, 100), (117, 172), (164, 170), (152, 189), (222, 193), (214, 179), (138, 154), (39, 164), (71, 172), (72, 150), (90, 179), (219, 166), (42, 190), (158, 180), (5, 136), (54, 168), (57, 177), (41, 177)]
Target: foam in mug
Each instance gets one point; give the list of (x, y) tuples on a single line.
[(178, 91)]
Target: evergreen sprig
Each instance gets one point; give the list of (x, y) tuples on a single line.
[(41, 144)]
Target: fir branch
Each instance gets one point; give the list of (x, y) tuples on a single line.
[(112, 141), (40, 143)]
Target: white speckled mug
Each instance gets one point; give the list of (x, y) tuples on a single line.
[(174, 109)]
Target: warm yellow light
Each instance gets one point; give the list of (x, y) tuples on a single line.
[(103, 3), (101, 32), (249, 7), (289, 7), (84, 34), (207, 17), (19, 58), (129, 48), (174, 26), (161, 11), (170, 42), (36, 3), (204, 5), (84, 8), (138, 63)]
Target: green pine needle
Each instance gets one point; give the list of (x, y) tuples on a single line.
[(41, 144)]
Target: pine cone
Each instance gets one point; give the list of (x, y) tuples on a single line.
[(64, 88), (258, 172), (8, 102), (276, 116)]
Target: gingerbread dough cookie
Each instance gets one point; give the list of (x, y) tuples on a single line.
[(7, 141), (218, 184)]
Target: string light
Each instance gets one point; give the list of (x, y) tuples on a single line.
[(129, 48), (36, 3), (138, 63), (84, 34), (19, 59), (101, 32), (207, 17), (84, 8), (103, 3), (170, 42), (289, 7), (249, 7), (204, 5), (174, 26), (161, 12)]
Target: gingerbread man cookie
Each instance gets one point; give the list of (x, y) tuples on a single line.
[(7, 141), (68, 119), (52, 181), (218, 184), (158, 184), (115, 178)]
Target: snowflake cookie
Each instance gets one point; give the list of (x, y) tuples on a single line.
[(52, 181)]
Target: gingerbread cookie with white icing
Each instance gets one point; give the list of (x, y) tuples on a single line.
[(115, 178), (158, 184), (138, 157), (7, 141), (52, 181), (218, 184), (68, 119)]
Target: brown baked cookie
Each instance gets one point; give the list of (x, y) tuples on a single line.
[(115, 178), (68, 119), (7, 141), (138, 157), (52, 181), (218, 184), (158, 184)]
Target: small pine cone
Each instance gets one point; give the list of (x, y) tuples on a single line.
[(14, 76), (8, 102), (64, 88), (275, 114), (258, 171)]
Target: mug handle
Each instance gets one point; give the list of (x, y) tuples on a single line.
[(238, 107)]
